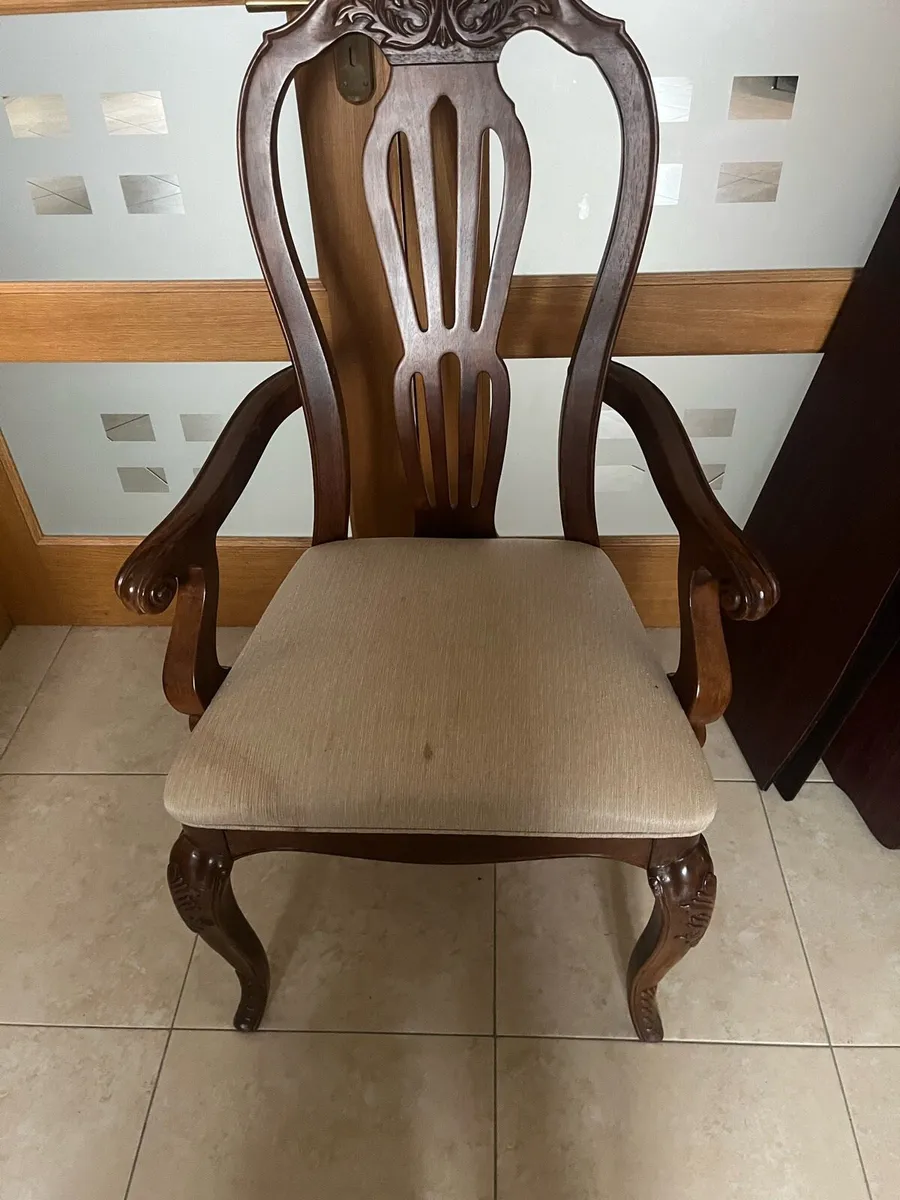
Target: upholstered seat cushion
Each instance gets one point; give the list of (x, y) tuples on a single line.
[(502, 686)]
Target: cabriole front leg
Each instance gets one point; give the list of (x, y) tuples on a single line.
[(685, 894), (199, 878)]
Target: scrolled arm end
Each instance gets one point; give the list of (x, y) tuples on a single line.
[(749, 590), (147, 582)]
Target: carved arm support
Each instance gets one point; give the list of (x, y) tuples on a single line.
[(179, 556), (717, 567)]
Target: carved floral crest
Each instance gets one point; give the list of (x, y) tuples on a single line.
[(410, 24)]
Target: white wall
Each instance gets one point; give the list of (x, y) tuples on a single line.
[(841, 156), (196, 58)]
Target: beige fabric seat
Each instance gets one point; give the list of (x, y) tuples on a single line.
[(502, 686)]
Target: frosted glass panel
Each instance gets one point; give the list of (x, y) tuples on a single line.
[(91, 468), (573, 134), (723, 75), (738, 409), (128, 120)]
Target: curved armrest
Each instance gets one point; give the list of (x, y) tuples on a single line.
[(748, 588), (179, 556), (149, 578), (717, 566)]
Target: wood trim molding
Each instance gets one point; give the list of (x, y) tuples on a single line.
[(9, 8), (25, 589), (232, 320), (79, 574)]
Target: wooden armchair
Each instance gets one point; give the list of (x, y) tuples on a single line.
[(450, 697)]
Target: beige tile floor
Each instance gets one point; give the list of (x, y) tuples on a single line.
[(452, 1033)]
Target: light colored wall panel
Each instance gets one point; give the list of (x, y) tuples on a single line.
[(765, 392), (840, 149), (196, 59), (51, 414)]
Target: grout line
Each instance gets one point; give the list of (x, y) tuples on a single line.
[(496, 1138), (794, 915), (140, 1140), (424, 1033), (859, 1153), (34, 695), (159, 1072), (862, 1165), (437, 1033), (83, 774), (183, 984)]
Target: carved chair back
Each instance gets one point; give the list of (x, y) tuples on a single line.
[(450, 385)]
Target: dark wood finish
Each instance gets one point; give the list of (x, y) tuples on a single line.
[(444, 54), (716, 566), (199, 878), (685, 895), (358, 319), (453, 849), (179, 557), (831, 501), (679, 870), (466, 335), (864, 757)]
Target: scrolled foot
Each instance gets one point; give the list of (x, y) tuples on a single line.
[(685, 895), (252, 1007)]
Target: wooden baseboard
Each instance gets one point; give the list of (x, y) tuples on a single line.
[(5, 625), (80, 573)]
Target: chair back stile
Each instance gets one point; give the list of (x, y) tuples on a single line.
[(451, 388)]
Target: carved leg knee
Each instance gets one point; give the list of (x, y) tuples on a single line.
[(200, 882), (685, 892)]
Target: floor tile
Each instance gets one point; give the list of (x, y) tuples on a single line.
[(820, 774), (230, 642), (330, 1116), (25, 657), (617, 1120), (871, 1080), (666, 644), (89, 933), (722, 752), (845, 888), (359, 946), (72, 1104), (100, 708), (565, 932)]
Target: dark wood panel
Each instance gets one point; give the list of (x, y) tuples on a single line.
[(864, 758), (827, 519)]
